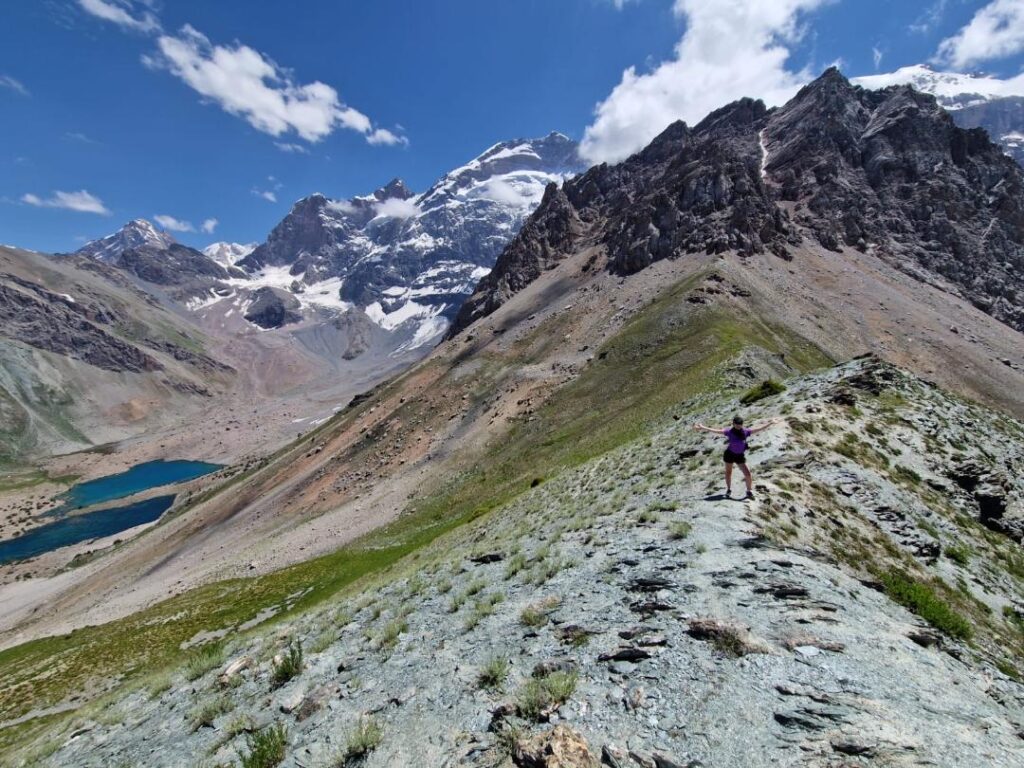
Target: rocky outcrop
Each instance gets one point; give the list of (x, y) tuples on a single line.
[(886, 172), (57, 326), (1002, 118), (539, 246), (272, 308), (174, 265)]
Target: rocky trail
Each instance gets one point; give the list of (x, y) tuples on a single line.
[(858, 611)]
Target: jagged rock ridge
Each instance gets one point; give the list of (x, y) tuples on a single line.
[(883, 171), (974, 101)]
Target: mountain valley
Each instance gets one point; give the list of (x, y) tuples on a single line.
[(461, 498)]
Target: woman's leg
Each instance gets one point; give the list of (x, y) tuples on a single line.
[(747, 479), (728, 477)]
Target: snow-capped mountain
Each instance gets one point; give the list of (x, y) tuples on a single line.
[(408, 261), (228, 254), (974, 100), (135, 233)]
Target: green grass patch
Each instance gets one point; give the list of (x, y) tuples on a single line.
[(765, 389), (925, 601), (288, 666), (266, 747), (540, 695)]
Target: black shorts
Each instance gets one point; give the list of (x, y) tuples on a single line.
[(734, 458)]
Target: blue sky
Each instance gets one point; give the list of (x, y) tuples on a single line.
[(117, 109)]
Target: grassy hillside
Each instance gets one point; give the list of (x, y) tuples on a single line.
[(671, 353)]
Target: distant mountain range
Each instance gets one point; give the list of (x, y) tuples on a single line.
[(406, 261)]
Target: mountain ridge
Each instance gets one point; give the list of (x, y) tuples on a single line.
[(829, 165)]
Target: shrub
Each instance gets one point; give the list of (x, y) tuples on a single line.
[(288, 666), (766, 388), (203, 659), (494, 673), (364, 738), (542, 694), (324, 639), (923, 600), (389, 635), (679, 529), (266, 747), (203, 714), (959, 554)]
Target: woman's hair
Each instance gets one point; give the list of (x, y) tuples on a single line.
[(737, 421)]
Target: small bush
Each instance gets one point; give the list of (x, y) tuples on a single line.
[(766, 388), (515, 564), (323, 640), (923, 600), (494, 673), (959, 554), (288, 666), (679, 530), (364, 738), (203, 714), (203, 659), (388, 638), (158, 684), (266, 747), (543, 694), (647, 516)]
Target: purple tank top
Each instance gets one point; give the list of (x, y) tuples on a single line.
[(737, 444)]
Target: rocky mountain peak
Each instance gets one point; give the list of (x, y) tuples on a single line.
[(135, 233), (394, 189), (886, 172), (409, 260)]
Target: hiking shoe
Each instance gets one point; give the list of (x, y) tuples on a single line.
[(750, 495)]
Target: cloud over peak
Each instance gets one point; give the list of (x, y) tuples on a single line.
[(244, 82), (171, 224), (729, 50), (995, 32), (81, 201)]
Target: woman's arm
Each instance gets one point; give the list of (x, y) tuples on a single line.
[(764, 426), (702, 428)]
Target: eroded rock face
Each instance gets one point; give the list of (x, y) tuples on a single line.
[(272, 308), (885, 171), (61, 327)]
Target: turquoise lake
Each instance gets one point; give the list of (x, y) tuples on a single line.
[(71, 529), (141, 477), (76, 528)]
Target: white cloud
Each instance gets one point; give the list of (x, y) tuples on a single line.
[(876, 55), (729, 49), (503, 192), (120, 12), (6, 81), (244, 82), (79, 137), (386, 137), (340, 206), (930, 18), (209, 225), (295, 149), (396, 208), (172, 224), (266, 194), (81, 201), (995, 32)]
